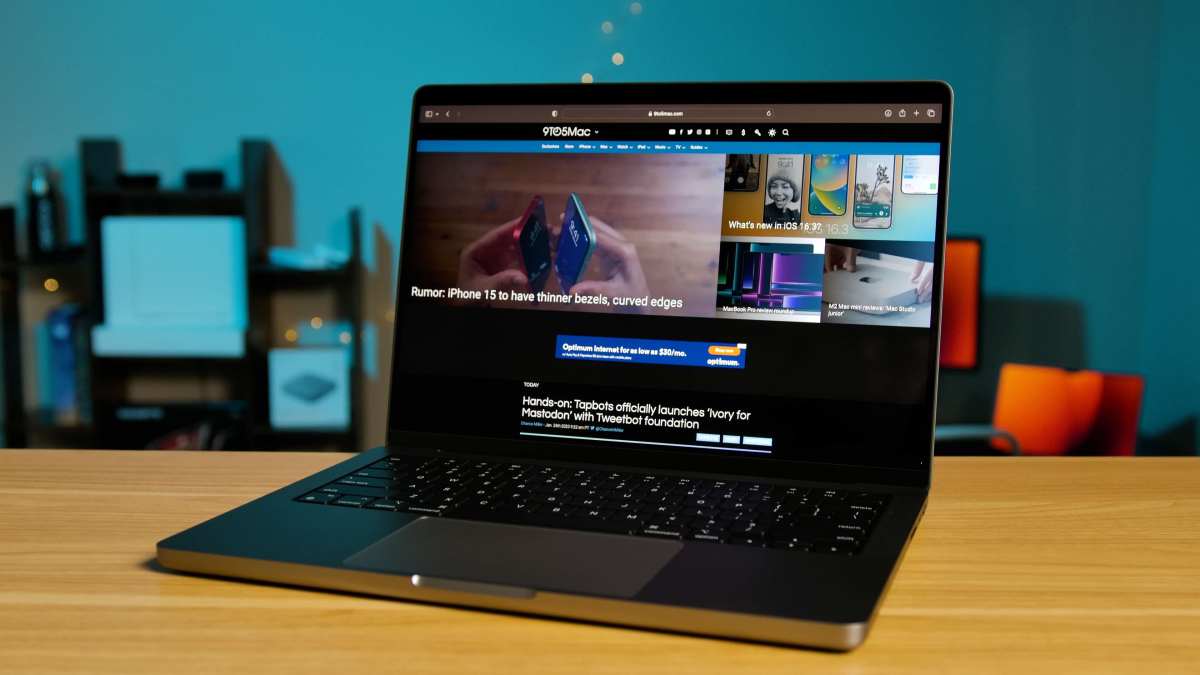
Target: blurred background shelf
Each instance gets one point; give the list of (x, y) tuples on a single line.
[(194, 202), (65, 256), (288, 276), (135, 401)]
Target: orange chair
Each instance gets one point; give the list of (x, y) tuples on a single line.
[(1115, 429), (1052, 411)]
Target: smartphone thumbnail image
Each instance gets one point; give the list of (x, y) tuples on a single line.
[(919, 174), (741, 173), (576, 241), (873, 191), (827, 182), (785, 174), (534, 242)]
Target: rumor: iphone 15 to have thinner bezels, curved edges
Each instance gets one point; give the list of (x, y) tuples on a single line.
[(576, 242)]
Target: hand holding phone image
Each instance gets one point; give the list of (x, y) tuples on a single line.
[(576, 241), (617, 264), (657, 255), (534, 241), (493, 261)]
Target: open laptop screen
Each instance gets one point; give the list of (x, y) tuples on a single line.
[(749, 281)]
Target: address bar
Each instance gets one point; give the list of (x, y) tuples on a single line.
[(664, 114)]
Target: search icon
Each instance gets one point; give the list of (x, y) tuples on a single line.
[(785, 131)]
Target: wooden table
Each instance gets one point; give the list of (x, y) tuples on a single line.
[(1021, 565)]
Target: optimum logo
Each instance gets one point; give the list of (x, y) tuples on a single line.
[(567, 132)]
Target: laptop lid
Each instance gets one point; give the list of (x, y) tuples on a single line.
[(739, 279)]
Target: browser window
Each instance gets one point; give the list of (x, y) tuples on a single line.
[(730, 280)]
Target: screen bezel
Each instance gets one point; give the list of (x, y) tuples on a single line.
[(917, 473)]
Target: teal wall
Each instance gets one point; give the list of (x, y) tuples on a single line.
[(1170, 354), (1067, 114)]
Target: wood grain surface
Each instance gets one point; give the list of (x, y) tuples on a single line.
[(1020, 565)]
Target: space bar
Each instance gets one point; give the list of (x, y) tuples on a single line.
[(590, 524)]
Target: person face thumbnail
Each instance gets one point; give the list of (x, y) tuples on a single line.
[(781, 192)]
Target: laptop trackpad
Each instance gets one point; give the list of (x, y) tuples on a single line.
[(516, 555)]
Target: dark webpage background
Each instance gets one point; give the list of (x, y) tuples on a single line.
[(835, 391), (838, 394)]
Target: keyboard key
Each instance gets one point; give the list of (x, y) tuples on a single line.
[(790, 543), (827, 511), (811, 527), (632, 519), (387, 476), (833, 547), (518, 510), (848, 540), (355, 490), (868, 499), (353, 500), (357, 481), (864, 517), (713, 535), (318, 497)]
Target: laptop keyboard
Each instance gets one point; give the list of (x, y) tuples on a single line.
[(717, 511)]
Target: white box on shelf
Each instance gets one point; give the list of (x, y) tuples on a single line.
[(172, 286)]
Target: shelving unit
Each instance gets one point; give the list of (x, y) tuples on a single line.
[(105, 381), (346, 283)]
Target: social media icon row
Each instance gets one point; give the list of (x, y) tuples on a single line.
[(771, 132)]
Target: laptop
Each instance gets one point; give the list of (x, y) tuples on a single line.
[(621, 391)]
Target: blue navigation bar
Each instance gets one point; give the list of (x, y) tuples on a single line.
[(662, 352), (682, 147)]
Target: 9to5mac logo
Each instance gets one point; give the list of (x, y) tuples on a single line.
[(569, 132)]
